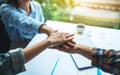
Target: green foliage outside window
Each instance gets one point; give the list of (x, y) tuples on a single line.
[(60, 10), (56, 9)]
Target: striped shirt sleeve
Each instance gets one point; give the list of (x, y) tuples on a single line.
[(107, 60)]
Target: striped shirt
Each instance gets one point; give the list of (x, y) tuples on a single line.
[(107, 60)]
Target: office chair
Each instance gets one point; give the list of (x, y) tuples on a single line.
[(5, 41)]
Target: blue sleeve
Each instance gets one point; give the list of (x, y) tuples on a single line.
[(39, 8), (12, 63), (11, 16)]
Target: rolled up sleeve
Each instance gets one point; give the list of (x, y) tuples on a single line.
[(17, 60), (12, 62), (107, 60)]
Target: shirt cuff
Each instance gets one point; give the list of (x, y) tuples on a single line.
[(36, 24), (18, 60), (97, 57), (40, 27)]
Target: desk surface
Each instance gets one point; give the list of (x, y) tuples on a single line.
[(54, 62)]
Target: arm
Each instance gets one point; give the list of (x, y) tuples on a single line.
[(45, 29), (34, 50), (107, 60), (55, 39), (84, 50), (14, 60), (101, 58)]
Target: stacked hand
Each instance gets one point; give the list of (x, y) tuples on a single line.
[(61, 40)]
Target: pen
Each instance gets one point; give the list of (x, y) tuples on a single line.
[(54, 66), (98, 71)]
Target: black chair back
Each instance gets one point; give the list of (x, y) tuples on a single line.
[(4, 38)]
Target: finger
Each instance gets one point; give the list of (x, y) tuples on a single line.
[(73, 42), (60, 48), (64, 46), (69, 35), (69, 39), (70, 44)]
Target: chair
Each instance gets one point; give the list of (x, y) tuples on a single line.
[(5, 41)]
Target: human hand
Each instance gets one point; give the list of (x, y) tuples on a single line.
[(73, 48), (67, 45), (59, 38)]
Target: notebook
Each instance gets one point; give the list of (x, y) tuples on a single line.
[(80, 61)]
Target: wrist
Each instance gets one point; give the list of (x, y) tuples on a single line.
[(49, 31), (49, 41), (45, 29), (77, 48)]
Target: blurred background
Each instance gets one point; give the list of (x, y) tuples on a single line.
[(104, 13)]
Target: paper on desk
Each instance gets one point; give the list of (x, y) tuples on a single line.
[(82, 39), (104, 37), (105, 40)]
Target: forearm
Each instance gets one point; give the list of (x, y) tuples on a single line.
[(32, 51), (101, 58), (45, 29), (84, 50), (56, 38)]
